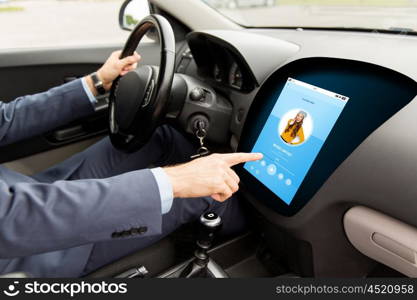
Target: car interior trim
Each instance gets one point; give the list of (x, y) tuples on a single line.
[(383, 238)]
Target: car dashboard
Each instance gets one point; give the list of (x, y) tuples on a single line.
[(220, 64), (360, 160)]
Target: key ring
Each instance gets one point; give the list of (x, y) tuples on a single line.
[(202, 151), (201, 133)]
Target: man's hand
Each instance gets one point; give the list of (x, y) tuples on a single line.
[(208, 176), (112, 68)]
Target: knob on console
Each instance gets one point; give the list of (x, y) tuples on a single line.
[(197, 94), (210, 223), (211, 220)]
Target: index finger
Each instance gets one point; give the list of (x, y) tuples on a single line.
[(237, 158)]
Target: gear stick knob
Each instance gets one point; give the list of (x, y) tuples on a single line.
[(210, 224)]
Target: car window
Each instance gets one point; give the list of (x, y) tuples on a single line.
[(59, 23), (393, 15)]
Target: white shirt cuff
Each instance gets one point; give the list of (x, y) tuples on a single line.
[(90, 95), (165, 189)]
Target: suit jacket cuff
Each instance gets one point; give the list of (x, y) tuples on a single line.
[(90, 95), (165, 189)]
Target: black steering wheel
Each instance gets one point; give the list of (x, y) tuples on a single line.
[(138, 100)]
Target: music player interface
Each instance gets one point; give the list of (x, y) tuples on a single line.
[(293, 135)]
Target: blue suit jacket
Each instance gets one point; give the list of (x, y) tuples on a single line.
[(37, 219)]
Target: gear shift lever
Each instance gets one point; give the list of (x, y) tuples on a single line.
[(210, 224)]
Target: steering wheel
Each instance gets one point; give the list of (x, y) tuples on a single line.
[(138, 100)]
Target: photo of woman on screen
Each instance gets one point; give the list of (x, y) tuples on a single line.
[(294, 133)]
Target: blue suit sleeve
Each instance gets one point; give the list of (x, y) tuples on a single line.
[(37, 217), (165, 189), (32, 115)]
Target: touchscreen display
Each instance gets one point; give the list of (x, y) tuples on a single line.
[(293, 135)]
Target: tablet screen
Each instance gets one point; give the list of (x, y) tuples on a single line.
[(294, 133)]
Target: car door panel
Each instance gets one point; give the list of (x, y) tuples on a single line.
[(25, 72)]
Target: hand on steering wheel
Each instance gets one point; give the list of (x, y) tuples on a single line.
[(139, 99), (114, 66)]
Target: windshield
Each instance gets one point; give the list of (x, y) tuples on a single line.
[(395, 15)]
